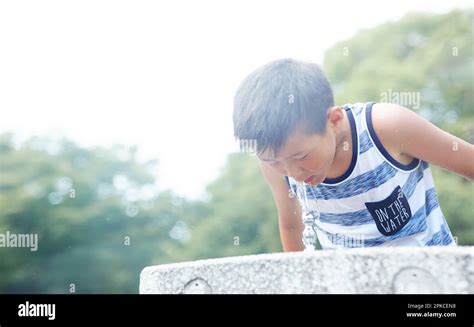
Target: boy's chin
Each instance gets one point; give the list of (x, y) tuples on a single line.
[(314, 180)]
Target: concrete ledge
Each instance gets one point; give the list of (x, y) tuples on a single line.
[(362, 271)]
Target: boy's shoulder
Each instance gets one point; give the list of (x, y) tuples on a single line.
[(387, 120)]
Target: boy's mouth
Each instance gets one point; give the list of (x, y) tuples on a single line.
[(309, 180)]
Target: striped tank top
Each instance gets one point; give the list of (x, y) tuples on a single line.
[(378, 201)]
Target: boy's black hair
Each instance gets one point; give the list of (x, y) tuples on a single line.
[(276, 98)]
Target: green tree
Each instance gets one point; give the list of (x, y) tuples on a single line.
[(97, 216), (426, 53)]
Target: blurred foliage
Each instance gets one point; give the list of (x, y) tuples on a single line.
[(426, 53), (100, 218), (97, 216)]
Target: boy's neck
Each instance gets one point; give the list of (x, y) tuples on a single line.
[(343, 154)]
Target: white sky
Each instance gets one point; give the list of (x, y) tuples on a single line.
[(161, 74)]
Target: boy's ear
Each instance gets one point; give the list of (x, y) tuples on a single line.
[(335, 117)]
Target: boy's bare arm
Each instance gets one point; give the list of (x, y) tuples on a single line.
[(289, 210), (415, 136)]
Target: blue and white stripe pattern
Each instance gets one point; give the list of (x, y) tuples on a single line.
[(371, 180)]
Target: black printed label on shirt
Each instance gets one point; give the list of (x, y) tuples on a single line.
[(391, 214)]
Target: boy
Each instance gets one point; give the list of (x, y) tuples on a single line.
[(360, 171)]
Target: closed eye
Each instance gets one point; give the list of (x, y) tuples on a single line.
[(301, 158)]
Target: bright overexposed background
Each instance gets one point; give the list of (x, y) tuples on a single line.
[(160, 75)]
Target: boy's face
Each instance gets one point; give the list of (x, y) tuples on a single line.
[(307, 157)]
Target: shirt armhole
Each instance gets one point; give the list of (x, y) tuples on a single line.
[(380, 147)]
